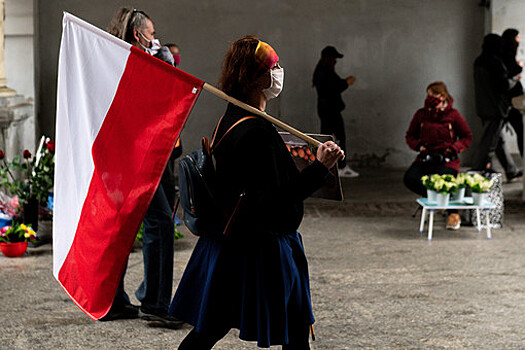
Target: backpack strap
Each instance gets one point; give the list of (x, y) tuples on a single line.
[(213, 144)]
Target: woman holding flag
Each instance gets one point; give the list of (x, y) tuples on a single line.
[(256, 278)]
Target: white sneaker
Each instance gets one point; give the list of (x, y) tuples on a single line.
[(347, 172)]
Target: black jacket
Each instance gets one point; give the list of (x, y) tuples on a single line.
[(253, 158), (491, 84), (329, 87)]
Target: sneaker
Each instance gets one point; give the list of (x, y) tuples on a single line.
[(159, 318), (347, 172), (124, 312), (453, 221), (515, 177)]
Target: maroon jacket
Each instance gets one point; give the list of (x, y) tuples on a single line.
[(438, 130)]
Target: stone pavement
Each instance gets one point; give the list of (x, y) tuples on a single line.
[(376, 282)]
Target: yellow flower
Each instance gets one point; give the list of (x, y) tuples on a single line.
[(26, 235), (31, 232), (23, 227)]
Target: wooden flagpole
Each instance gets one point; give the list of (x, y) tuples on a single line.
[(308, 139)]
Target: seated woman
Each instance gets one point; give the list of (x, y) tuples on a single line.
[(439, 133), (255, 278)]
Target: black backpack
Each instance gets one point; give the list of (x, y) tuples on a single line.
[(203, 213)]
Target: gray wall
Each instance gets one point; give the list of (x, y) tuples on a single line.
[(394, 48)]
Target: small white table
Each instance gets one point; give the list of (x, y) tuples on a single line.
[(466, 203)]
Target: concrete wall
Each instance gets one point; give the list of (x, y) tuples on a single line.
[(394, 48), (19, 63)]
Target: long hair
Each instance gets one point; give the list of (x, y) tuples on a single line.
[(439, 87), (125, 20), (240, 68)]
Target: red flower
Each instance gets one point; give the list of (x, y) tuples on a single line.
[(51, 146), (27, 154), (2, 154)]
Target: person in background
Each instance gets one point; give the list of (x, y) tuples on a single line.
[(491, 86), (439, 133), (329, 87), (510, 42), (175, 52), (154, 293), (255, 278)]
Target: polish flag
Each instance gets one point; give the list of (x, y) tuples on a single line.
[(119, 114)]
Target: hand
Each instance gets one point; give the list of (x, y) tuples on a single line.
[(422, 148), (350, 80), (329, 153)]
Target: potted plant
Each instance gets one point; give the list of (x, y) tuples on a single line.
[(29, 179), (13, 239), (444, 186), (428, 182), (479, 186), (459, 195)]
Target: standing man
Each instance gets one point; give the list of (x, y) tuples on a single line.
[(154, 293), (329, 87), (491, 83)]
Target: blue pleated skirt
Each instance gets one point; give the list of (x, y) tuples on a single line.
[(259, 286)]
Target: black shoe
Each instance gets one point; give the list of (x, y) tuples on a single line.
[(124, 312), (159, 318), (515, 177)]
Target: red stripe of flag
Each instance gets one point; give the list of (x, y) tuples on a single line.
[(130, 152)]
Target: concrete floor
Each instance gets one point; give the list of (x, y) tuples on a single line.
[(376, 282)]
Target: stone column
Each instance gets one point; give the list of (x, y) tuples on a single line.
[(4, 90)]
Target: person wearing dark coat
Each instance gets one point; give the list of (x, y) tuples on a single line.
[(154, 293), (492, 85), (439, 133), (510, 42), (329, 87), (255, 278)]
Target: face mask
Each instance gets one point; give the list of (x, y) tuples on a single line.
[(153, 47), (432, 101), (276, 86), (176, 58)]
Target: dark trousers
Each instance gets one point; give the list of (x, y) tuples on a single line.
[(488, 142), (158, 249), (199, 341), (332, 124), (413, 175)]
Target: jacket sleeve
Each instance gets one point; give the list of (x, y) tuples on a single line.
[(463, 134), (412, 135), (502, 81), (330, 83)]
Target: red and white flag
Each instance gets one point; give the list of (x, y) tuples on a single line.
[(119, 113)]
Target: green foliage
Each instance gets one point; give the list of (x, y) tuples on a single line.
[(31, 177), (139, 237), (17, 233), (450, 184)]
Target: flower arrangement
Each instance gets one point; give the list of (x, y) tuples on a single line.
[(478, 183), (450, 184), (17, 233), (461, 180), (29, 177), (440, 183)]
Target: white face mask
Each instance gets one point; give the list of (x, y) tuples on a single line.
[(154, 45), (276, 86)]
